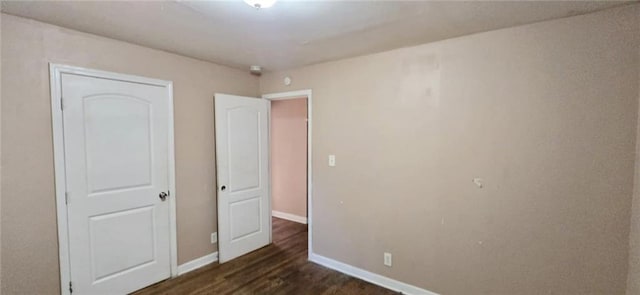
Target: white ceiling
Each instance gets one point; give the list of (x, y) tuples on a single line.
[(291, 33)]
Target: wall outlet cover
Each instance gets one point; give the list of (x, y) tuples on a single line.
[(388, 259)]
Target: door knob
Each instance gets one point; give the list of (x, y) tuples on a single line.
[(163, 196), (223, 188)]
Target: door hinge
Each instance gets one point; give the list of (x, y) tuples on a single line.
[(70, 287), (66, 198), (61, 103)]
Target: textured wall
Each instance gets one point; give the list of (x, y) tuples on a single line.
[(545, 114)]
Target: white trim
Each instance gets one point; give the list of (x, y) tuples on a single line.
[(59, 174), (173, 227), (288, 95), (197, 263), (289, 216), (370, 277), (270, 182), (55, 72), (292, 95)]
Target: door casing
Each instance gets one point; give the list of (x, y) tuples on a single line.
[(55, 72)]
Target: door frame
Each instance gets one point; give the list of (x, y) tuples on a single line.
[(294, 95), (55, 75)]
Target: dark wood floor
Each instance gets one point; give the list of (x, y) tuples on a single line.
[(280, 268)]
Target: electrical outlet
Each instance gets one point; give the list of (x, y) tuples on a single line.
[(214, 238), (387, 259)]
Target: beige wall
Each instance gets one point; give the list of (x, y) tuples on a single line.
[(545, 114), (29, 241), (289, 156), (633, 278)]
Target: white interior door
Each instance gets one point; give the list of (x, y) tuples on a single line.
[(116, 141), (242, 153)]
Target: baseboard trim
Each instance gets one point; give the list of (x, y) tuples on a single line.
[(197, 263), (290, 217), (369, 276)]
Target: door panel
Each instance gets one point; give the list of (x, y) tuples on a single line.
[(245, 217), (116, 140), (113, 253), (104, 123), (244, 158), (244, 208)]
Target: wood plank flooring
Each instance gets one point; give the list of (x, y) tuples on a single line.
[(280, 268)]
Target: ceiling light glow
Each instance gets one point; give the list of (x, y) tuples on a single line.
[(260, 3)]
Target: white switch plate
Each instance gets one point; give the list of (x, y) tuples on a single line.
[(214, 238), (332, 160), (387, 259)]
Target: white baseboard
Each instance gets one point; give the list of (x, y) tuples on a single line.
[(288, 216), (369, 276), (197, 263)]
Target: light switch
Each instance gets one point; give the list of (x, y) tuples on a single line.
[(332, 160)]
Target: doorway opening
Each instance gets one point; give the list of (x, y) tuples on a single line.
[(290, 161), (243, 165)]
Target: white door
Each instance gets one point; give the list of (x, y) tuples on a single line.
[(242, 154), (116, 141)]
